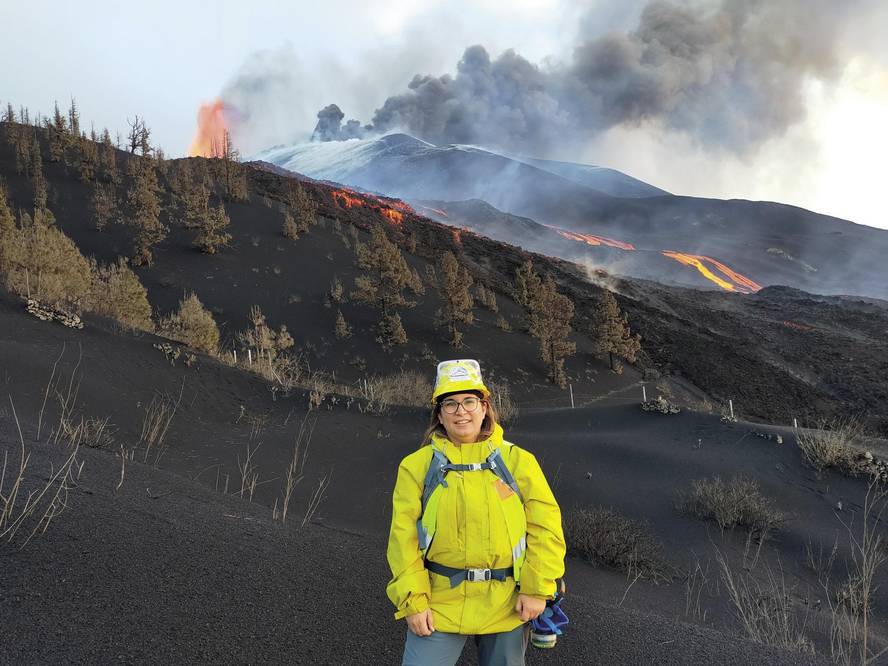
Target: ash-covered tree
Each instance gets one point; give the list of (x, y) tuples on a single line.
[(263, 339), (41, 262), (57, 133), (192, 187), (302, 205), (212, 233), (527, 284), (289, 228), (104, 205), (192, 324), (88, 158), (233, 176), (108, 158), (42, 214), (7, 225), (550, 315), (74, 119), (383, 283), (456, 299), (117, 293), (341, 328), (487, 297), (144, 210), (138, 137), (612, 334)]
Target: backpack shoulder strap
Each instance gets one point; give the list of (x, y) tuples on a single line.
[(498, 466)]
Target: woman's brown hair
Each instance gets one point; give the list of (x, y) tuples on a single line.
[(435, 425)]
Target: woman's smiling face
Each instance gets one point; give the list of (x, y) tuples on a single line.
[(463, 427)]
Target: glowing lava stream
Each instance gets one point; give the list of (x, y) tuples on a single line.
[(589, 239), (393, 211), (209, 140), (734, 282)]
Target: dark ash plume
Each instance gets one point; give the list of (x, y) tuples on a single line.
[(329, 127), (729, 73)]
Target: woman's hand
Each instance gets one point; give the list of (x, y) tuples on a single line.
[(422, 623), (529, 608)]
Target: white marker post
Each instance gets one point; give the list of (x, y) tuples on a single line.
[(571, 395), (250, 356), (235, 356), (644, 394), (795, 423), (731, 407)]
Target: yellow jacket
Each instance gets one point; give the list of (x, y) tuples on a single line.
[(471, 533)]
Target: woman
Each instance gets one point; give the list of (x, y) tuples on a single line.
[(476, 543)]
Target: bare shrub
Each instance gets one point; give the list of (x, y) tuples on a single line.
[(501, 397), (764, 607), (408, 387), (850, 603), (93, 432), (296, 469), (31, 514), (830, 444), (604, 537), (733, 503), (158, 416)]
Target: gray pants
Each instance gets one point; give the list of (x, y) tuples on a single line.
[(443, 649)]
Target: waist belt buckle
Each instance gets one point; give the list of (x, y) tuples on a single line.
[(475, 575)]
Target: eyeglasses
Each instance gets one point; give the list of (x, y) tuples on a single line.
[(468, 404)]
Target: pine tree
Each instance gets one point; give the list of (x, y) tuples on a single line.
[(289, 228), (117, 293), (456, 299), (74, 120), (193, 325), (38, 181), (527, 283), (342, 329), (612, 334), (104, 205), (9, 115), (7, 226), (382, 285), (212, 234), (144, 207), (57, 131), (550, 314), (108, 159), (303, 206), (89, 159)]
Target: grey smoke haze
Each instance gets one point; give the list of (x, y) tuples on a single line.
[(730, 73)]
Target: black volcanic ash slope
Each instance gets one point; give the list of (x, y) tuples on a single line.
[(777, 357)]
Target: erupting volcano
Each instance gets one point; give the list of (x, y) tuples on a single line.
[(732, 281), (212, 128)]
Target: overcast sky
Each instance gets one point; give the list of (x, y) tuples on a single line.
[(821, 145)]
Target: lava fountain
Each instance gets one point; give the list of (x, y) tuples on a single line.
[(212, 128)]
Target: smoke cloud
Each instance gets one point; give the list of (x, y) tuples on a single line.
[(731, 74)]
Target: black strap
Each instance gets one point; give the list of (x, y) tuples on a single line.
[(457, 576)]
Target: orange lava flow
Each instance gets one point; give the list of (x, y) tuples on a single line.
[(394, 216), (734, 281), (590, 239), (345, 199), (457, 236), (209, 140)]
